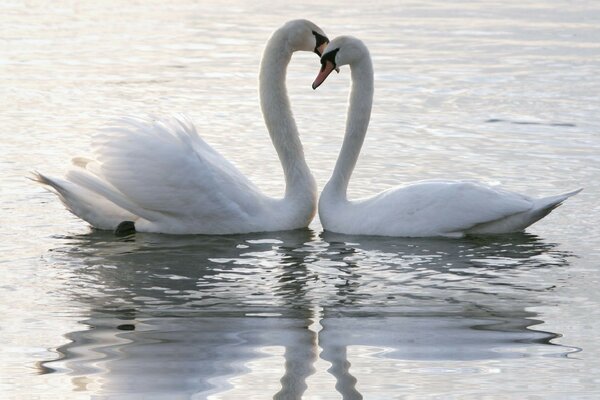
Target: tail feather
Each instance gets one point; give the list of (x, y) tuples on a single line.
[(51, 184), (518, 222), (551, 202), (85, 204)]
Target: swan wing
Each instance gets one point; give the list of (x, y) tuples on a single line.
[(163, 167), (447, 207)]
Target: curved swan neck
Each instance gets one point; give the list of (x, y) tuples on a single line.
[(357, 122), (275, 106)]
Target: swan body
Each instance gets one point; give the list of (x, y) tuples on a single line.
[(424, 208), (161, 175)]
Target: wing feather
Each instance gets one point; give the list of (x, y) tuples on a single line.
[(162, 164), (448, 206)]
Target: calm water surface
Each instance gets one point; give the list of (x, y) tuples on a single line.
[(504, 92)]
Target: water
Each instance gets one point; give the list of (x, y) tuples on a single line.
[(498, 91)]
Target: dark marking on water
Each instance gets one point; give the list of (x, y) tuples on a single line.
[(526, 123), (43, 369), (563, 124), (126, 327)]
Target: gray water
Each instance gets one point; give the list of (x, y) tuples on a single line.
[(505, 92)]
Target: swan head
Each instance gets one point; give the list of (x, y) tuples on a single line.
[(343, 50), (303, 35)]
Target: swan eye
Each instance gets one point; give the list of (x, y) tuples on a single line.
[(321, 40)]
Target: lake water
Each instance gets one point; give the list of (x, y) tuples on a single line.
[(505, 92)]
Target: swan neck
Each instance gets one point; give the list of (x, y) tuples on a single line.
[(275, 106), (357, 122)]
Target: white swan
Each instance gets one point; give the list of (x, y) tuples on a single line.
[(425, 208), (159, 173)]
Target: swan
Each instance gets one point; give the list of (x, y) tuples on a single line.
[(158, 175), (424, 208)]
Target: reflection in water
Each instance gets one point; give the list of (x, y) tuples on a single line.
[(192, 315), (231, 317)]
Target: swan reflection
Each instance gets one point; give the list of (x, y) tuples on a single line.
[(203, 315)]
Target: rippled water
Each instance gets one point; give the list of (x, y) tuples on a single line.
[(499, 91)]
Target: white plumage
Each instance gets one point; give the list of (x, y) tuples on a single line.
[(426, 208), (160, 174)]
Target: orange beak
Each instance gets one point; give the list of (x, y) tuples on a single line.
[(326, 69)]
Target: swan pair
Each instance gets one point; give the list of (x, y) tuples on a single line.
[(160, 176)]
